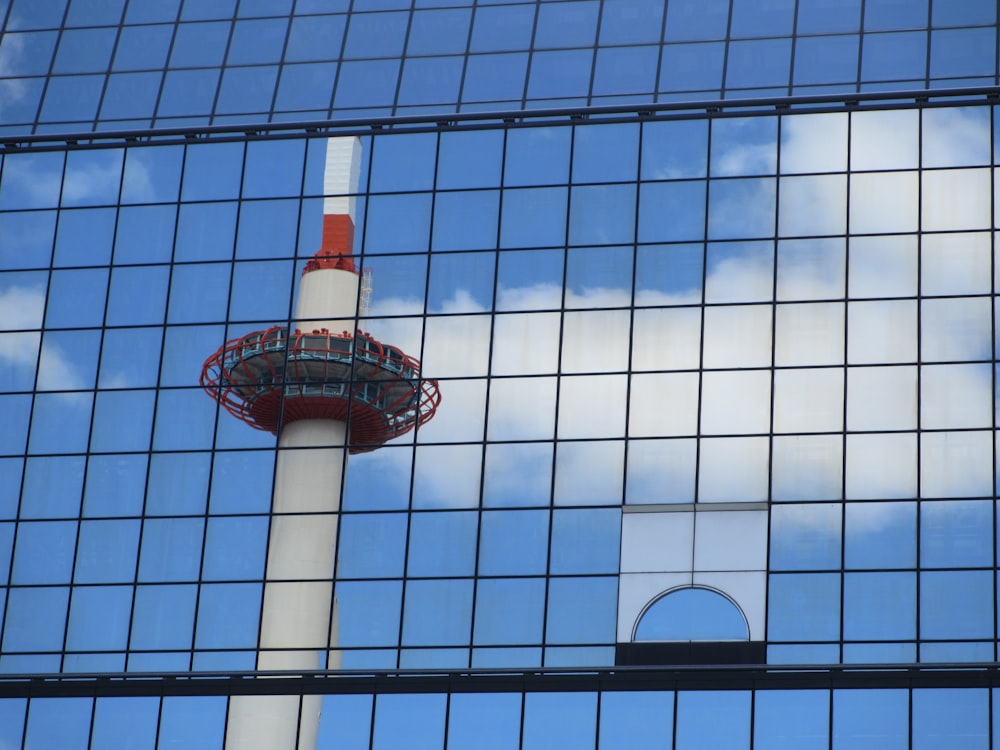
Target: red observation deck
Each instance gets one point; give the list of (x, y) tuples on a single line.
[(273, 377)]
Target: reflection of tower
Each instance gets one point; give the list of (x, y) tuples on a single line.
[(323, 390)]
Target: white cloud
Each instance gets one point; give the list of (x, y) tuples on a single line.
[(21, 312), (535, 344), (12, 90), (37, 183)]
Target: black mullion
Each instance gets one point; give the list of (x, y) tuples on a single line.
[(93, 721), (466, 56), (447, 717), (404, 583), (674, 714), (5, 19), (593, 61), (281, 63), (993, 373), (524, 705), (830, 715), (844, 392), (159, 717), (332, 617), (556, 438), (709, 122), (725, 52), (93, 409), (49, 72), (107, 72), (531, 56), (791, 57), (340, 57), (215, 433), (773, 369), (212, 116), (31, 415), (402, 60), (156, 403), (597, 719), (631, 324), (918, 433), (486, 409), (659, 56), (909, 714), (927, 53), (166, 65), (774, 310), (861, 46)]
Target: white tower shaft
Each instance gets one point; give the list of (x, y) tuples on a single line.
[(298, 623)]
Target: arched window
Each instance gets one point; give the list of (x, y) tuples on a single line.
[(692, 614)]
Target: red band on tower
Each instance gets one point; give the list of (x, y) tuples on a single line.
[(338, 241)]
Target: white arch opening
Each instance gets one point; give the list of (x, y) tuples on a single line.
[(691, 614)]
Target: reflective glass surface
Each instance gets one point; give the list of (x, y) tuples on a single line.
[(717, 380)]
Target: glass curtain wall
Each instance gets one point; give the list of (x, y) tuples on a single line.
[(711, 306), (786, 316), (841, 719), (112, 65)]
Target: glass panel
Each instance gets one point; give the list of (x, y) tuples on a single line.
[(488, 721), (733, 469), (943, 717), (956, 604), (570, 25), (881, 467), (514, 543), (713, 718), (791, 718), (880, 606), (163, 617), (437, 613), (124, 722), (883, 267), (346, 721), (827, 59), (578, 728), (509, 611), (694, 19), (371, 546), (192, 722), (517, 474), (758, 63), (58, 722), (585, 541), (735, 402), (581, 610), (107, 551), (803, 606), (228, 615), (880, 535), (805, 537), (442, 544), (416, 721), (99, 618), (871, 719)]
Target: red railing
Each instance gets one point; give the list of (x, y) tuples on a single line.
[(270, 378)]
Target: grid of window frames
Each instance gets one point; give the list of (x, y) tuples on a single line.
[(811, 719), (794, 311), (117, 64)]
